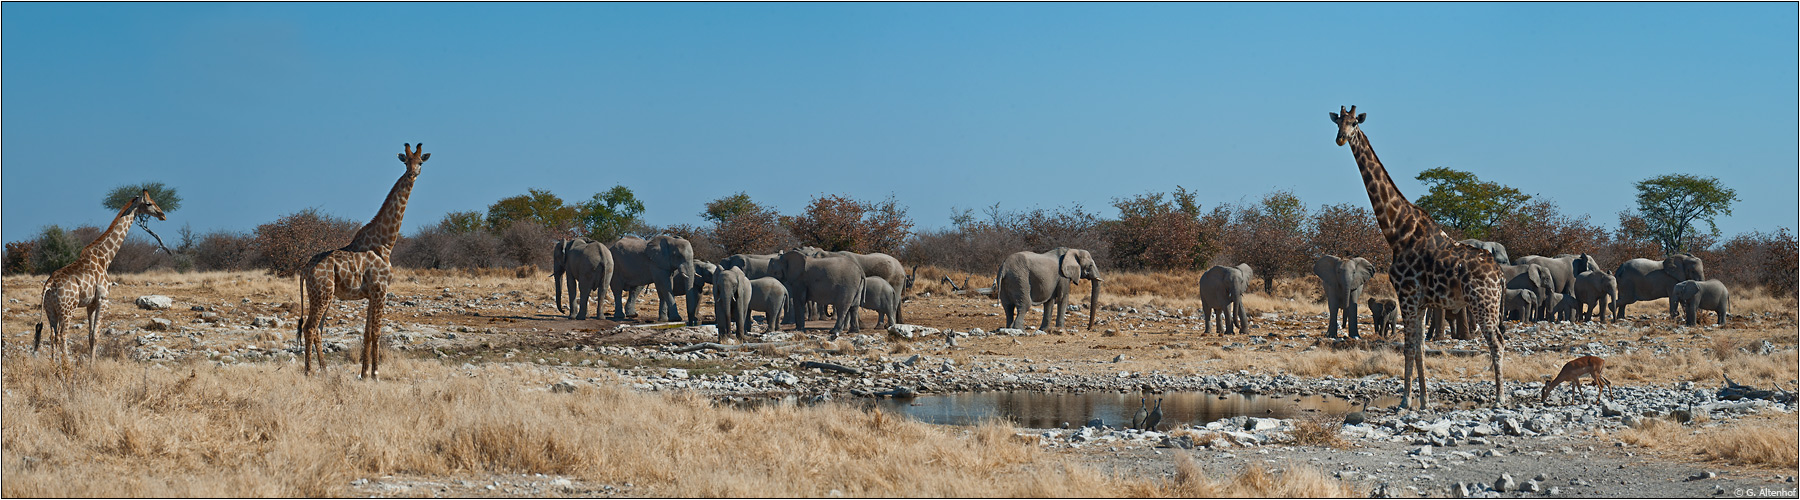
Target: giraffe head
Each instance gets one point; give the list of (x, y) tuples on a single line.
[(1347, 123), (146, 206), (414, 158)]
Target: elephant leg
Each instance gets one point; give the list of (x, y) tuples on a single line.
[(1350, 316), (1062, 309), (1332, 305)]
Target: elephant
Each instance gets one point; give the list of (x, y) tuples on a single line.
[(769, 296), (585, 266), (1343, 282), (831, 279), (1026, 279), (1562, 307), (1522, 302), (1562, 275), (1692, 296), (655, 261), (1495, 248), (1534, 277), (887, 268), (693, 288), (1457, 320), (1596, 291), (1579, 262), (731, 302), (879, 296), (1385, 311), (754, 266), (1641, 280), (1222, 292)]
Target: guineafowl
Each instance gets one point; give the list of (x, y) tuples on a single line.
[(1155, 416), (1137, 420)]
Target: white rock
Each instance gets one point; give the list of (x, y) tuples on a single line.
[(154, 302)]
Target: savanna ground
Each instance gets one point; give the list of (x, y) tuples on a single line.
[(452, 421)]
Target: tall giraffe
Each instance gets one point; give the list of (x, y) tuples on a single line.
[(360, 270), (1430, 269), (83, 282)]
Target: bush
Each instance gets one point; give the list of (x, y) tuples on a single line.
[(138, 254), (705, 249), (979, 246), (1755, 259), (972, 250), (1349, 230), (837, 223), (443, 246), (1152, 233), (525, 243), (1271, 237), (17, 259), (285, 246), (753, 232), (1541, 228), (225, 251), (54, 249)]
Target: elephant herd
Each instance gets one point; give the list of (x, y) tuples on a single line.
[(790, 286), (1561, 288)]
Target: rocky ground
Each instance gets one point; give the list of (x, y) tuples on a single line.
[(1543, 450)]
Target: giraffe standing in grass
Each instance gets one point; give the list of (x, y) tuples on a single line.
[(83, 282), (1430, 269), (358, 271)]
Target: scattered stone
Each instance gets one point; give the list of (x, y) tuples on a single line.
[(267, 322), (1505, 483), (678, 374), (210, 317), (1531, 486), (159, 324), (155, 302), (1703, 475), (1094, 423), (1422, 451), (565, 385), (1118, 358)]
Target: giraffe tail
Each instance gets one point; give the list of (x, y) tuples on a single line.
[(300, 326), (37, 338)]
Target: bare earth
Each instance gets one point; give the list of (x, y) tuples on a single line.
[(503, 319)]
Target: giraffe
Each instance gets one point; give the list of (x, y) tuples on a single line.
[(360, 270), (1430, 269), (83, 282)]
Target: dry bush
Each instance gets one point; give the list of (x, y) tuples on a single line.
[(436, 247), (526, 243), (224, 251), (836, 223), (1755, 260), (1541, 228), (1322, 431), (126, 429), (17, 259), (1349, 230), (970, 251), (139, 253), (754, 230), (284, 246)]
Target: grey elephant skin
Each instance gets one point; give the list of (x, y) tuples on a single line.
[(1562, 276), (694, 288), (656, 261), (1385, 312), (1533, 277), (880, 297), (1343, 280), (882, 266), (1222, 292), (585, 267), (1595, 291), (768, 296), (1562, 307), (1498, 250), (829, 280), (1026, 279), (1523, 302), (1643, 280), (1693, 296), (731, 302), (754, 266)]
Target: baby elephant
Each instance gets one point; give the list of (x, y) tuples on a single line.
[(1522, 302), (731, 302), (1692, 296), (1385, 311), (1563, 306), (879, 296), (769, 296)]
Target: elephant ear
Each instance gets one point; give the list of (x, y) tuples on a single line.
[(1069, 266), (1364, 267)]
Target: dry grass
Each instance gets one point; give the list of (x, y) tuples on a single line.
[(1347, 363), (122, 429), (1293, 481), (1768, 442)]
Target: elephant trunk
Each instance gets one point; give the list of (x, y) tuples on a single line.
[(1093, 301)]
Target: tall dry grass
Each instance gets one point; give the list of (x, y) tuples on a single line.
[(1765, 442), (124, 429), (1294, 481)]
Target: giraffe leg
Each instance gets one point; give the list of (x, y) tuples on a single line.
[(372, 334), (1496, 348), (1415, 330), (94, 315), (312, 326)]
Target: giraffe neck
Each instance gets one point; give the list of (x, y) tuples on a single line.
[(381, 233), (100, 253), (1400, 221)]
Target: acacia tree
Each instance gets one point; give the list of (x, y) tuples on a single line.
[(610, 214), (166, 198), (537, 205), (1461, 200), (1670, 204), (743, 226)]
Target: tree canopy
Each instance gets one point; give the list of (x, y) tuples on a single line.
[(539, 206), (610, 214), (165, 196), (1670, 204), (1463, 201)]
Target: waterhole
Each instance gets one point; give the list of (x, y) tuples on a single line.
[(1051, 410)]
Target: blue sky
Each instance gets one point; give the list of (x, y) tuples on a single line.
[(255, 110)]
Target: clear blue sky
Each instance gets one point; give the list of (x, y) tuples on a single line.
[(255, 110)]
